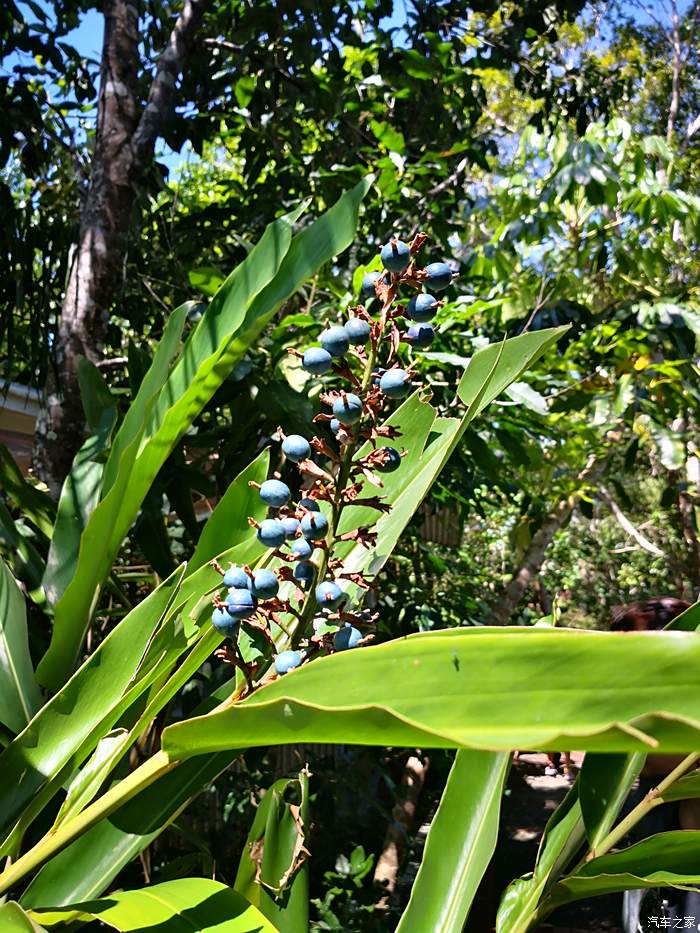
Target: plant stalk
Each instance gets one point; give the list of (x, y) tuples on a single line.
[(56, 840)]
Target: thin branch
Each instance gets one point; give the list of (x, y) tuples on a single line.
[(627, 525), (167, 71)]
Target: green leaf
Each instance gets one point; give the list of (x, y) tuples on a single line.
[(87, 867), (537, 688), (664, 860), (14, 920), (20, 697), (35, 505), (185, 905), (99, 404), (26, 562), (71, 723), (603, 785), (228, 523), (206, 279), (272, 873), (684, 788), (562, 837), (688, 621), (460, 844), (517, 354), (241, 308)]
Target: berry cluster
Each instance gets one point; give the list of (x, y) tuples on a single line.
[(303, 532)]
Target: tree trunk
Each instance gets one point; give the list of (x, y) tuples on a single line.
[(403, 814), (535, 554), (124, 145)]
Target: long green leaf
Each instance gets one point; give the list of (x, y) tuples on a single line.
[(665, 860), (253, 291), (14, 920), (20, 697), (273, 873), (460, 844), (180, 906), (34, 504), (604, 783), (535, 688), (228, 523), (86, 708)]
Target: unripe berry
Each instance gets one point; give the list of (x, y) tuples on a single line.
[(223, 622), (291, 526), (392, 460), (357, 331), (335, 340), (395, 383), (395, 256), (310, 504), (329, 595), (348, 408), (287, 661), (439, 275), (237, 578), (296, 448), (369, 280), (274, 493), (264, 584), (240, 604), (271, 532), (422, 308), (347, 637), (314, 526), (420, 336), (318, 361), (304, 571), (300, 549)]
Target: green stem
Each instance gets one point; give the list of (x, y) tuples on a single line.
[(56, 840), (653, 799)]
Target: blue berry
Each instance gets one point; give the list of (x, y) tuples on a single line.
[(422, 308), (369, 280), (348, 408), (395, 383), (392, 460), (317, 361), (240, 604), (300, 549), (335, 340), (223, 622), (296, 448), (420, 335), (274, 493), (237, 578), (310, 504), (357, 331), (347, 637), (438, 275), (314, 526), (271, 532), (329, 595), (335, 425), (264, 584), (287, 661), (291, 526), (395, 256), (304, 571)]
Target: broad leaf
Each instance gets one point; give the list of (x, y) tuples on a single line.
[(665, 860), (536, 688), (20, 697), (460, 844), (186, 904)]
